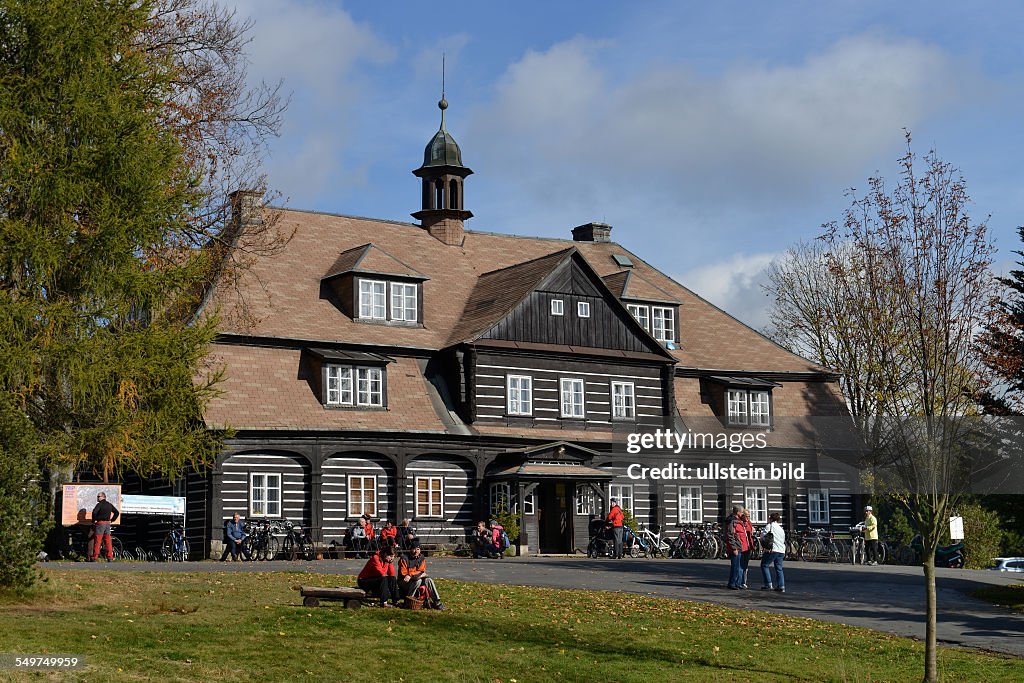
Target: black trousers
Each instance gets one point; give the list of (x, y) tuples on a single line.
[(385, 586), (234, 549), (872, 550), (617, 540)]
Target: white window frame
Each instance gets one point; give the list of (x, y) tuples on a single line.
[(691, 505), (369, 386), (736, 406), (622, 493), (557, 307), (623, 401), (586, 500), (259, 505), (756, 499), (373, 303), (521, 401), (818, 506), (642, 314), (573, 389), (431, 503), (500, 494), (759, 408), (339, 385), (663, 323), (363, 507), (404, 302), (583, 309)]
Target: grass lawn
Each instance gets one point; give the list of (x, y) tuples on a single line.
[(1011, 596), (134, 626)]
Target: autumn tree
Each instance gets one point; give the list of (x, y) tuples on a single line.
[(892, 296)]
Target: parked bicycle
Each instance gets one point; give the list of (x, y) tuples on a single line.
[(175, 547), (261, 543), (297, 543), (652, 542), (819, 544)]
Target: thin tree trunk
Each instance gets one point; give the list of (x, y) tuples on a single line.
[(930, 666)]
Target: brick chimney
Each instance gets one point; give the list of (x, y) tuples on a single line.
[(445, 227), (246, 207), (592, 232)]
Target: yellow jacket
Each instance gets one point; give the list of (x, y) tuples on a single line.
[(870, 528)]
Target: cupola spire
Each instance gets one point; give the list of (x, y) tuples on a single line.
[(442, 212)]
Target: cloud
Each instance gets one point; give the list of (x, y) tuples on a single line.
[(735, 285), (760, 131), (318, 50)]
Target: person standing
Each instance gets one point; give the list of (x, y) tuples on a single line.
[(103, 515), (616, 518), (774, 554), (234, 539), (871, 535), (748, 530), (735, 544)]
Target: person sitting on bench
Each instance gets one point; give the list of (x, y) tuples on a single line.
[(413, 573), (378, 577)]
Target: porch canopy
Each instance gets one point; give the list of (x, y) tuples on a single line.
[(556, 460)]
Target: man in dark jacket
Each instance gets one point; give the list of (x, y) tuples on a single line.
[(102, 515), (736, 543), (234, 539)]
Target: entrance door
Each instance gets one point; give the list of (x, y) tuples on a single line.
[(554, 512)]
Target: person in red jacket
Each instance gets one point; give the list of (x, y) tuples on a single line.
[(748, 530), (615, 518), (736, 543), (388, 534), (378, 576)]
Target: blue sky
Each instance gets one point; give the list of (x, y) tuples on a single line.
[(712, 136)]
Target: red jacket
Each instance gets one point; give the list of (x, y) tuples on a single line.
[(375, 568), (615, 516), (388, 532), (736, 535)]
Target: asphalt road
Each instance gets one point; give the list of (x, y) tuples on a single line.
[(888, 598)]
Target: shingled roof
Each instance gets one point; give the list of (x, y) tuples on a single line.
[(283, 297), (371, 259)]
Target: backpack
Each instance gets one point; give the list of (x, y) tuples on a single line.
[(503, 541), (767, 540)]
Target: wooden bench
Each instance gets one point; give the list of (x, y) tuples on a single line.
[(352, 597)]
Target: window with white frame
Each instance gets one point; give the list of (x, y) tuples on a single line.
[(663, 323), (623, 401), (362, 496), (372, 303), (817, 506), (642, 315), (736, 400), (572, 398), (691, 504), (757, 503), (759, 413), (500, 498), (265, 495), (586, 501), (527, 505), (339, 385), (369, 387), (429, 496), (583, 309), (404, 305), (622, 493), (557, 307), (520, 395)]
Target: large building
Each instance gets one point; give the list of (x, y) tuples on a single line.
[(426, 371)]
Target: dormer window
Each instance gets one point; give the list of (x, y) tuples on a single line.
[(351, 384), (372, 302), (642, 314), (663, 323), (404, 303), (748, 407)]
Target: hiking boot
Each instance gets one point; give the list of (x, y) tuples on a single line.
[(780, 589)]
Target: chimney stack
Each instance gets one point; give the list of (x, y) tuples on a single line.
[(592, 232), (246, 207)]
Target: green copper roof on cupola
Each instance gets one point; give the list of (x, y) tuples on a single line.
[(442, 150)]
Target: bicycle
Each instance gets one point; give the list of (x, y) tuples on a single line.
[(297, 543), (654, 544), (260, 543), (819, 544), (175, 546)]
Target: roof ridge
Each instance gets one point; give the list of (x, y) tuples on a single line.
[(563, 252)]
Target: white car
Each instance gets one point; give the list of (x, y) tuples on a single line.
[(1008, 564)]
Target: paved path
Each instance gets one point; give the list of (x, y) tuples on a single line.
[(886, 598)]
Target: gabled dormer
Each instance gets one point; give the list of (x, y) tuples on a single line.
[(370, 285), (656, 310)]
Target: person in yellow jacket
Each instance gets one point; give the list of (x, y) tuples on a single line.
[(871, 535)]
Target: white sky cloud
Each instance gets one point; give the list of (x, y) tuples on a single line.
[(735, 285)]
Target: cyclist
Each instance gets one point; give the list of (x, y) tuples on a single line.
[(615, 518), (871, 535)]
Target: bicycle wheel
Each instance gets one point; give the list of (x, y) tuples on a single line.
[(167, 547), (118, 548), (883, 553), (288, 549), (308, 548), (249, 546), (273, 548), (809, 551)]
